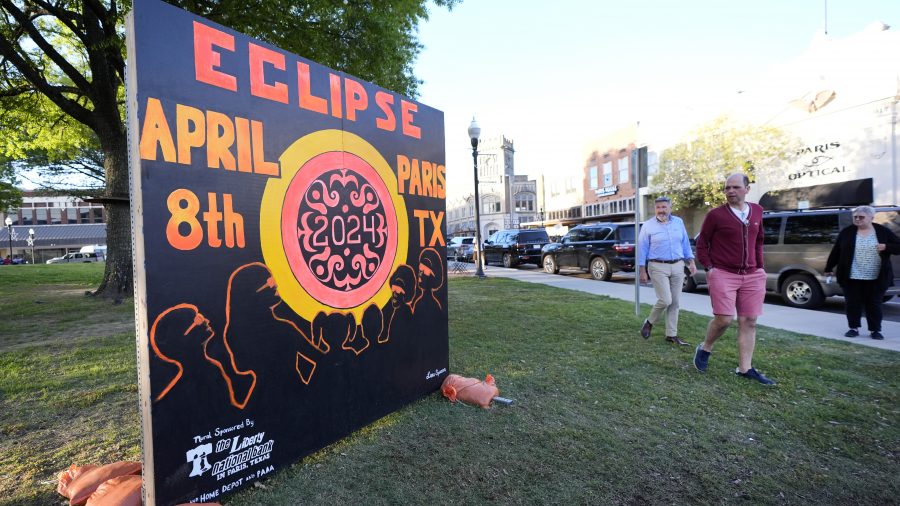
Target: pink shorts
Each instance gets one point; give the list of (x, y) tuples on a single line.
[(740, 293)]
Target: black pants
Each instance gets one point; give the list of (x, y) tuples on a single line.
[(859, 294)]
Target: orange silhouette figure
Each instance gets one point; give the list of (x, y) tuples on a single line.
[(403, 292), (338, 326), (358, 338), (254, 347), (431, 279), (177, 337)]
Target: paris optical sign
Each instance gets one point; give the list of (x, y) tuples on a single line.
[(289, 253)]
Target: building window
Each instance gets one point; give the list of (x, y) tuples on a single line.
[(27, 217), (41, 217), (71, 215), (623, 170), (594, 181), (607, 174), (97, 215), (525, 202), (55, 216), (491, 204)]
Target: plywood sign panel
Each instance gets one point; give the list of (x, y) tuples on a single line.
[(289, 252)]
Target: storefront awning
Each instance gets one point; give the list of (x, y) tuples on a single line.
[(847, 194)]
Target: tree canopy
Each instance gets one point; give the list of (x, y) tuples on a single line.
[(692, 173), (10, 195), (62, 73)]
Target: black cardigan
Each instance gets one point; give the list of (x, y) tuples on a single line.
[(845, 247)]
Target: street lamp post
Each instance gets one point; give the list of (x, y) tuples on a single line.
[(474, 132), (31, 243), (9, 234)]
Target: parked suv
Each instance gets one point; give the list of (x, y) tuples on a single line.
[(75, 258), (796, 247), (601, 248), (512, 247)]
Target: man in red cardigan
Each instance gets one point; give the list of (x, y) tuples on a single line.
[(730, 246)]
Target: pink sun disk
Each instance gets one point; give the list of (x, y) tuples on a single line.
[(298, 262)]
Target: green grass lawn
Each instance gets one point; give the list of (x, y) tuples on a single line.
[(601, 415)]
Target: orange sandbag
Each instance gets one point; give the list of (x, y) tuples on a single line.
[(85, 484), (119, 491), (69, 475), (470, 390)]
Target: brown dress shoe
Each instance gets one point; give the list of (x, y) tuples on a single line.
[(646, 328), (677, 340)]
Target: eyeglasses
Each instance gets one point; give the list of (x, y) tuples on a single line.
[(859, 217)]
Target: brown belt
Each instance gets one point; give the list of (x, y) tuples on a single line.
[(666, 261)]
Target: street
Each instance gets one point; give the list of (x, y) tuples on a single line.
[(833, 305)]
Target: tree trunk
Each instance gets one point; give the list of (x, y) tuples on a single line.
[(118, 278)]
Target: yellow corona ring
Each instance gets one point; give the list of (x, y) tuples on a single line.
[(326, 154)]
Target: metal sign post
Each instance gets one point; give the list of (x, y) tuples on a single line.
[(636, 164)]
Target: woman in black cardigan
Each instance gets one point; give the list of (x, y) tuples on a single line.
[(862, 254)]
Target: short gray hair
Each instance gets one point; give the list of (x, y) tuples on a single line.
[(867, 210), (663, 198)]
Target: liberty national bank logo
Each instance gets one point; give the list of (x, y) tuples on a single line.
[(199, 458)]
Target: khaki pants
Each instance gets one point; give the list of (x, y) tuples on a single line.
[(667, 281)]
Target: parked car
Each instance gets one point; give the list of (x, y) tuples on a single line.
[(75, 258), (796, 247), (512, 247), (600, 248), (462, 248)]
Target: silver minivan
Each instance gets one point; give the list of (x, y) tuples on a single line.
[(796, 247)]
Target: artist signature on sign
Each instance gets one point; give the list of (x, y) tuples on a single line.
[(435, 373)]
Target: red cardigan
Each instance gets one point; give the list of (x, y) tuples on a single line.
[(728, 244)]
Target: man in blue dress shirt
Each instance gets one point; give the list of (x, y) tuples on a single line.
[(664, 250)]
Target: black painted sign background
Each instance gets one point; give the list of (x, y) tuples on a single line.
[(289, 255)]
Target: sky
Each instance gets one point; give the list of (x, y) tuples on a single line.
[(556, 76)]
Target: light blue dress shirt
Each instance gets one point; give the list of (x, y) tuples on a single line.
[(663, 241)]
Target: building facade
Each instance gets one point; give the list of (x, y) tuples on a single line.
[(561, 202), (839, 102), (60, 224), (602, 190), (508, 200), (609, 186)]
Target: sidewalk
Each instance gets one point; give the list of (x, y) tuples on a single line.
[(802, 321)]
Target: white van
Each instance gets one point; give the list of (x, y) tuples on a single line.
[(96, 248)]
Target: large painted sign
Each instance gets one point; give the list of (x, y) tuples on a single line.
[(289, 253)]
